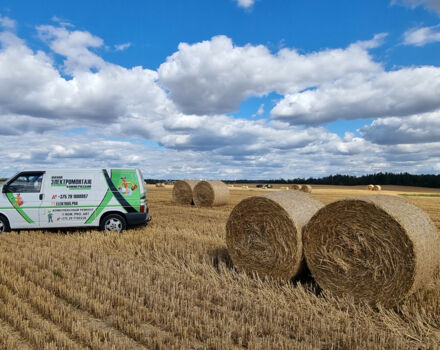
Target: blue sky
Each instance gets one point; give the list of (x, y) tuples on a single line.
[(221, 88), (155, 28)]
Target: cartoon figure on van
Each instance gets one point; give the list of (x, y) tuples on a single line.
[(126, 187), (49, 216), (18, 201)]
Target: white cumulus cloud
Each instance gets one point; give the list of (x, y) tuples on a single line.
[(259, 112), (114, 116), (422, 36), (245, 3), (431, 4), (214, 76), (7, 22), (402, 92), (74, 46), (421, 128), (122, 47)]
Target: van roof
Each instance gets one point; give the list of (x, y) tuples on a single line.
[(76, 169)]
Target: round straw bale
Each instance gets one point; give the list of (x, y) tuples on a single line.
[(211, 194), (306, 188), (264, 233), (183, 191), (377, 188), (370, 187), (378, 249), (296, 187)]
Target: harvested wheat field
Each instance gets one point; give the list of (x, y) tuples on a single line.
[(171, 285)]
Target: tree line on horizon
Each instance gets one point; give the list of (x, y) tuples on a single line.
[(399, 179)]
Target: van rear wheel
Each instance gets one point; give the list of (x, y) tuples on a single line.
[(4, 224), (113, 222)]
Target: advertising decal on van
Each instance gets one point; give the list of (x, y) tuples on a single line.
[(127, 190), (71, 184), (17, 202), (127, 186)]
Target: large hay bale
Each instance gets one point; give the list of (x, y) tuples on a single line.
[(296, 187), (210, 194), (370, 187), (183, 191), (377, 188), (306, 188), (264, 233), (378, 249)]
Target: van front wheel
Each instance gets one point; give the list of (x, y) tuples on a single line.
[(4, 224), (113, 222)]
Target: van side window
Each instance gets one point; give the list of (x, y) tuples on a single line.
[(26, 183)]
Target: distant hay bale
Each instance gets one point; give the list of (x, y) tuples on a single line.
[(377, 188), (284, 188), (264, 233), (244, 186), (183, 191), (306, 188), (160, 184), (210, 194), (379, 249), (296, 187), (370, 187)]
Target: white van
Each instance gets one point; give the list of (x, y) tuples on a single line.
[(111, 199)]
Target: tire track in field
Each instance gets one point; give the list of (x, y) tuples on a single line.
[(34, 328), (92, 333), (102, 272), (157, 305), (97, 303), (10, 338)]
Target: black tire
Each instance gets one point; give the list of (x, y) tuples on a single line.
[(4, 225), (113, 222)]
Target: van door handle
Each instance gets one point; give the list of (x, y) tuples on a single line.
[(41, 196)]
